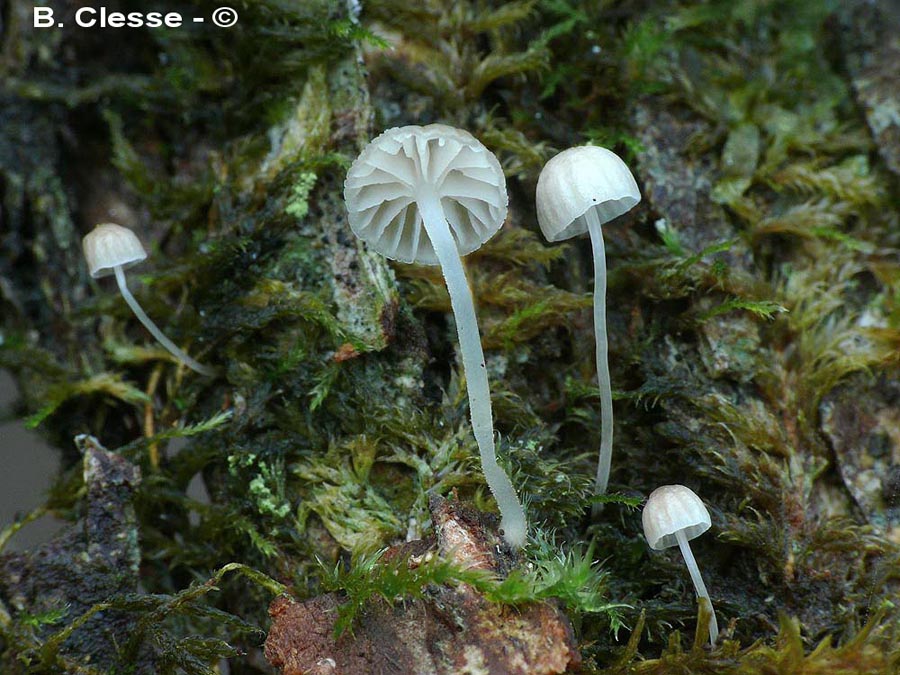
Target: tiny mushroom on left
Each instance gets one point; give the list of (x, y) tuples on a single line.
[(111, 249)]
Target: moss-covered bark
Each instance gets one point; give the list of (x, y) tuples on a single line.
[(753, 314)]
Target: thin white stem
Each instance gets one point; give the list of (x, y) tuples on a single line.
[(606, 407), (698, 584), (154, 329), (512, 515)]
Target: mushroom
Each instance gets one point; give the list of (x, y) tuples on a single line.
[(430, 195), (579, 190), (111, 249), (673, 516)]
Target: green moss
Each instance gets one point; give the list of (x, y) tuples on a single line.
[(298, 206), (572, 577)]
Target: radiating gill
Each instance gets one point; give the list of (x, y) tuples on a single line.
[(478, 208), (458, 185), (397, 165), (372, 195), (382, 216)]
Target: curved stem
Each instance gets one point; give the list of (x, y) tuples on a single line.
[(698, 584), (513, 517), (154, 329), (606, 407)]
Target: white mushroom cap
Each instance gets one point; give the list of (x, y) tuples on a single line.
[(108, 246), (382, 185), (671, 508), (578, 179)]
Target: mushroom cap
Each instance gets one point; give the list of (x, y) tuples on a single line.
[(579, 179), (671, 508), (108, 246), (383, 183)]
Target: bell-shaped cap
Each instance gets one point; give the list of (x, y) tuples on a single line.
[(383, 183), (578, 179), (673, 508), (108, 246)]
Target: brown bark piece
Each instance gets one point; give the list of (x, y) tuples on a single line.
[(301, 635), (451, 630)]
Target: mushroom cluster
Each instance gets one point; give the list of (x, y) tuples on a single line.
[(430, 195)]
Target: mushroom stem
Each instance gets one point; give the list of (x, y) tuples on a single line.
[(512, 515), (606, 407), (154, 329), (698, 584)]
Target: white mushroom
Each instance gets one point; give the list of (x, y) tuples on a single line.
[(578, 190), (430, 195), (673, 516), (111, 249)]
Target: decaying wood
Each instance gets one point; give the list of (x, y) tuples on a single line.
[(451, 630)]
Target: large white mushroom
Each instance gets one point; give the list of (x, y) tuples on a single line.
[(579, 190), (430, 195)]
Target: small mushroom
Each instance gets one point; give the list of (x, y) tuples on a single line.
[(111, 249), (579, 190), (430, 195), (673, 516)]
